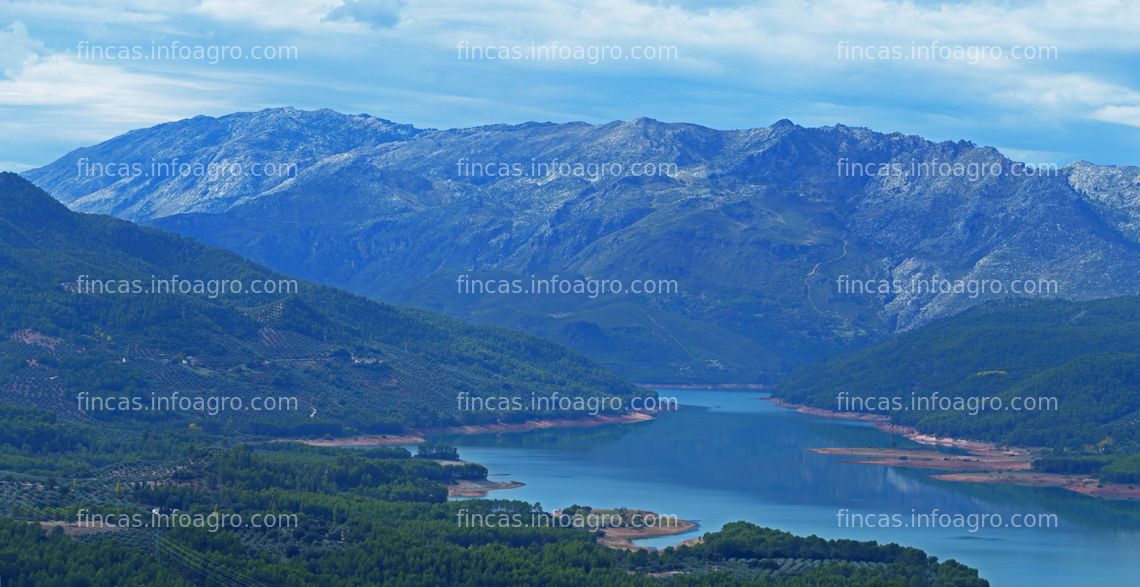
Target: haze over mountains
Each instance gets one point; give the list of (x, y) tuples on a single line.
[(754, 226)]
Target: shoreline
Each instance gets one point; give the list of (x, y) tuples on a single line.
[(479, 488), (883, 423), (746, 386), (417, 436), (361, 441), (1081, 484), (622, 538), (984, 462), (468, 488), (931, 459), (541, 424)]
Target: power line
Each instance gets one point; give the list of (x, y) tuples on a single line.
[(210, 567)]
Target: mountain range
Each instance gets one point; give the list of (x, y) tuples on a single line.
[(757, 234)]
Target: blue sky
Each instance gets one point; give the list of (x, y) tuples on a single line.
[(1046, 82)]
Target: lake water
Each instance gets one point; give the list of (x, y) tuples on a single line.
[(727, 456)]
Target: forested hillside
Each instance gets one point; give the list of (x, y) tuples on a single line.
[(1072, 367), (339, 363), (356, 518)]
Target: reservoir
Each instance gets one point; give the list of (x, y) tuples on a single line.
[(727, 456)]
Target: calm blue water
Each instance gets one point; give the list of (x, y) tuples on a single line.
[(726, 456)]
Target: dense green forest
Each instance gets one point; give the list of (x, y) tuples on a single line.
[(357, 517), (338, 363), (1077, 363)]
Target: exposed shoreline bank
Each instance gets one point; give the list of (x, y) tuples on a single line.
[(642, 524), (883, 423), (418, 436), (984, 462), (746, 386), (479, 488), (622, 538)]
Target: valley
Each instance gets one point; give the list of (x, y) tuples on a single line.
[(762, 231)]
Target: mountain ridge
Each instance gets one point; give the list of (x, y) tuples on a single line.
[(757, 227)]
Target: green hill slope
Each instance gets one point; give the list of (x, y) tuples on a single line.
[(1055, 374), (334, 363)]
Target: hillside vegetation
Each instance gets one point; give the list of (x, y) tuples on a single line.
[(1076, 363), (346, 364)]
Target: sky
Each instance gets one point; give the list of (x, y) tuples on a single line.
[(1046, 82)]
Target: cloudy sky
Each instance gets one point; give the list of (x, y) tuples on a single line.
[(1046, 82)]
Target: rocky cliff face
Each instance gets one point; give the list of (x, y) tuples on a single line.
[(763, 231)]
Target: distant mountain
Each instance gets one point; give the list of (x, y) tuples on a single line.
[(207, 164), (759, 230), (81, 317)]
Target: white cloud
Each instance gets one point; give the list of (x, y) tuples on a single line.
[(60, 80), (16, 48), (278, 14), (99, 11), (1036, 157), (376, 14), (784, 52), (1073, 95), (87, 101), (1126, 115)]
